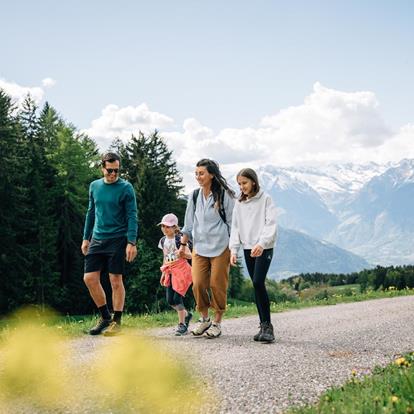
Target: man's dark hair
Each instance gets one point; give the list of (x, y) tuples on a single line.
[(110, 157)]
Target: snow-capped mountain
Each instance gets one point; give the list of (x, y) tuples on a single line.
[(378, 221), (366, 209)]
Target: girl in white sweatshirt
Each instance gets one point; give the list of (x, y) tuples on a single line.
[(254, 228)]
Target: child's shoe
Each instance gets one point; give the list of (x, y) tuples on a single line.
[(181, 330)]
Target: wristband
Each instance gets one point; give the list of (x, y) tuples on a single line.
[(183, 244), (132, 243)]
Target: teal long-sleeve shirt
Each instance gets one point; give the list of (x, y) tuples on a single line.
[(112, 211)]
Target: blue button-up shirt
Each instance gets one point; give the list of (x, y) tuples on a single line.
[(209, 233)]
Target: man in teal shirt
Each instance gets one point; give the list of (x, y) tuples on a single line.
[(109, 238)]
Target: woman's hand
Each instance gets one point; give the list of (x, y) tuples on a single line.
[(256, 251), (162, 279), (233, 259)]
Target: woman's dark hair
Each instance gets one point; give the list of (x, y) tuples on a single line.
[(219, 183), (251, 175), (110, 157)]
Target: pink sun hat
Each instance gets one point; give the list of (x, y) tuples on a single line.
[(169, 220)]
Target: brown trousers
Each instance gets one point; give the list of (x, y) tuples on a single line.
[(211, 273)]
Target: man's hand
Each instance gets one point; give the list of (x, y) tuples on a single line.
[(85, 247), (131, 252), (233, 259), (256, 251)]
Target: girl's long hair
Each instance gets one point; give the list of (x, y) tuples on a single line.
[(251, 175), (219, 183)]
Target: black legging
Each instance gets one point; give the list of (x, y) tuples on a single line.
[(257, 268)]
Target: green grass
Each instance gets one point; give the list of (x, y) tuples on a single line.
[(73, 326), (387, 390)]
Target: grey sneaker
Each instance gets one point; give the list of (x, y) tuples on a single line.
[(100, 326), (214, 331), (187, 319), (181, 330), (201, 327), (267, 334)]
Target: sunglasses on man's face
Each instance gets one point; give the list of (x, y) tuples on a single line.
[(112, 170)]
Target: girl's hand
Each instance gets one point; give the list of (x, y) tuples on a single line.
[(233, 259), (162, 279), (256, 251)]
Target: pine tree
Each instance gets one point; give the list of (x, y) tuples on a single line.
[(147, 163), (14, 252)]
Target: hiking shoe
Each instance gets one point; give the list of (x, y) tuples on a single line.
[(257, 336), (267, 334), (201, 327), (100, 326), (181, 330), (214, 331), (187, 319), (113, 329)]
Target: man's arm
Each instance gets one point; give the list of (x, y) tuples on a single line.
[(89, 223), (132, 222)]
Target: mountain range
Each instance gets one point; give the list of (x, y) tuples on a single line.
[(366, 210)]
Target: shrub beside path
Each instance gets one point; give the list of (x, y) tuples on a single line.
[(316, 348)]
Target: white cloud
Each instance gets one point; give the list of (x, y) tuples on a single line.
[(329, 126), (48, 82), (122, 122), (18, 93)]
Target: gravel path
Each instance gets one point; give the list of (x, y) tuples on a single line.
[(316, 348)]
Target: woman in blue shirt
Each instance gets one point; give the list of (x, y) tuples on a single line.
[(208, 222)]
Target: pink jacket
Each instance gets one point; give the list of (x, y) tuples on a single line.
[(180, 270)]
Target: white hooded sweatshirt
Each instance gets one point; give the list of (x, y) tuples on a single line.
[(253, 222)]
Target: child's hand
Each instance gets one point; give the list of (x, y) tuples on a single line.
[(162, 279), (233, 259)]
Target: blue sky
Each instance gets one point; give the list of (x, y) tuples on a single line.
[(210, 72)]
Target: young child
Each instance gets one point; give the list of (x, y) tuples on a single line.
[(254, 228), (176, 271)]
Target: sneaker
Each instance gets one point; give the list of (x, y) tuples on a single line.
[(257, 336), (113, 329), (214, 331), (267, 334), (201, 327), (100, 326), (181, 330), (187, 319)]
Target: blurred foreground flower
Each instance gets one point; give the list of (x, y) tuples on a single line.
[(126, 374), (32, 363), (136, 376)]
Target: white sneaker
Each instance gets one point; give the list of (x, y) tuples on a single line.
[(214, 331), (201, 327)]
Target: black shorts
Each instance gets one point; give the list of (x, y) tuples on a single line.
[(106, 254)]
